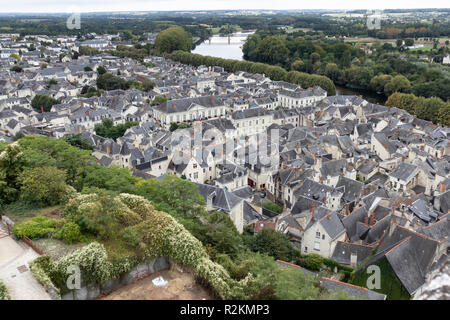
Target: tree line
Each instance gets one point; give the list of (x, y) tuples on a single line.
[(275, 73), (430, 109), (382, 71)]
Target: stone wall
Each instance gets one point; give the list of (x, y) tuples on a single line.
[(141, 271)]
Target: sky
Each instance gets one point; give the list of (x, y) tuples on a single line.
[(173, 5)]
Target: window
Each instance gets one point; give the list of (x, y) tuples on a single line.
[(323, 237), (317, 246), (194, 166), (318, 235), (306, 249), (195, 175)]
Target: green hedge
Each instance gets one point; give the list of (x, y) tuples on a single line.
[(275, 73), (315, 262), (37, 227)]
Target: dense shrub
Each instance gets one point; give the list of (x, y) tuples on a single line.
[(69, 233), (272, 207), (4, 294), (311, 261), (37, 227)]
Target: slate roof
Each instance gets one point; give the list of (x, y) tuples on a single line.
[(351, 290), (343, 250), (352, 188), (350, 223), (222, 199), (404, 171), (182, 105)]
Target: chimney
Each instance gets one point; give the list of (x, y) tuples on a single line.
[(209, 201), (372, 219), (312, 211), (385, 145), (353, 259), (366, 220), (108, 149), (82, 103), (403, 158), (324, 201), (407, 144), (422, 148), (88, 112), (347, 209), (442, 189), (321, 179), (42, 109)]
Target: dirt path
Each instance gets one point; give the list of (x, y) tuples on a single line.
[(180, 286)]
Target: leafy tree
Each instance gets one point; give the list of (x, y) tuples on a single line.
[(108, 130), (44, 102), (409, 42), (12, 162), (16, 69), (15, 56), (43, 185), (147, 84), (222, 234), (101, 70), (273, 243), (87, 69), (42, 151), (77, 141), (108, 81), (398, 83), (87, 51), (111, 178), (159, 100), (378, 83), (173, 195), (173, 38)]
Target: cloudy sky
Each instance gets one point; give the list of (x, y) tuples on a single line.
[(163, 5)]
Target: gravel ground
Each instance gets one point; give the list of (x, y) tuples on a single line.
[(180, 286)]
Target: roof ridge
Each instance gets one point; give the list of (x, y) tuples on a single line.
[(431, 225), (419, 234), (344, 283), (356, 244), (397, 245)]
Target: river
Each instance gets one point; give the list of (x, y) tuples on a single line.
[(223, 47), (231, 48), (367, 95)]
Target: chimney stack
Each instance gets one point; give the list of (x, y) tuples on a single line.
[(347, 209), (108, 149), (372, 219), (42, 109), (442, 188), (366, 221), (312, 212), (403, 158)]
